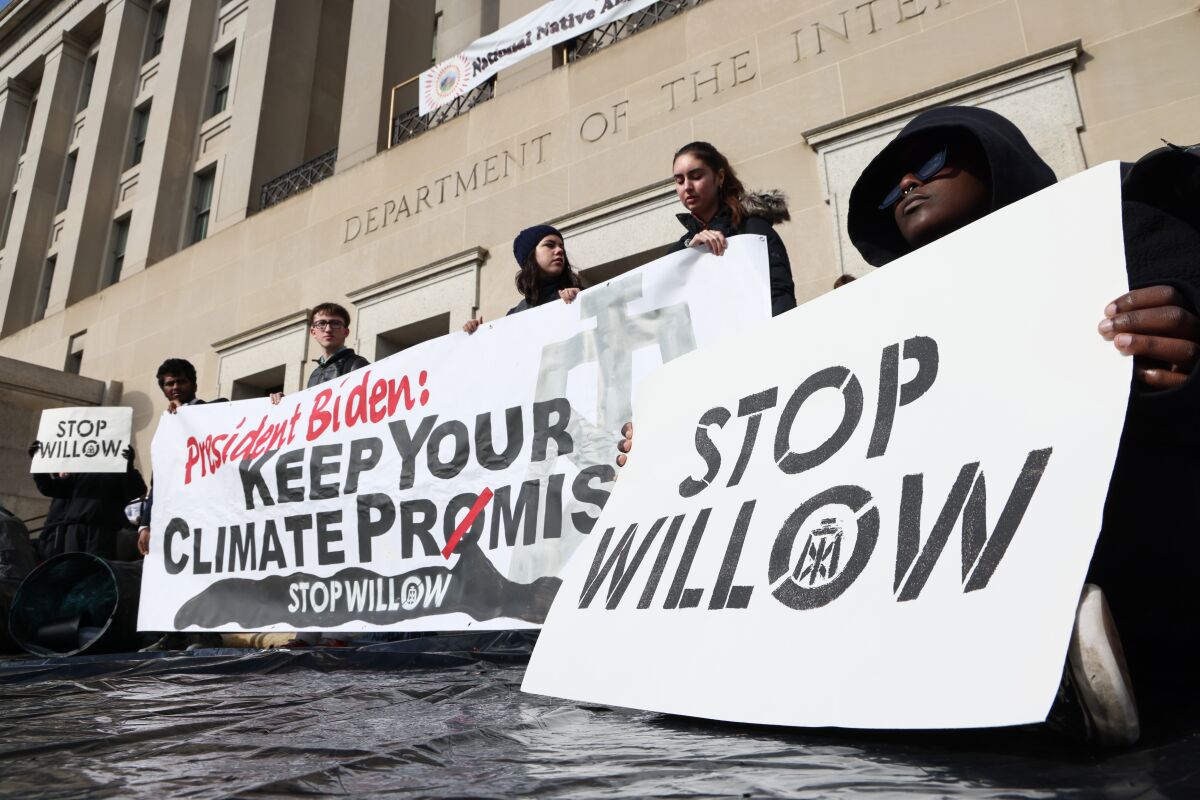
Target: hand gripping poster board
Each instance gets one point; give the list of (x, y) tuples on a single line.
[(877, 511), (442, 488), (86, 439)]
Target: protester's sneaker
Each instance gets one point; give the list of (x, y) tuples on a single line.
[(1095, 699), (167, 642), (204, 641)]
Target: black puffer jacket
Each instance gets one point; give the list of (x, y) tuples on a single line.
[(1147, 559), (341, 363), (763, 211)]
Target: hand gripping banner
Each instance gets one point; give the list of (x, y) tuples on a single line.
[(439, 489)]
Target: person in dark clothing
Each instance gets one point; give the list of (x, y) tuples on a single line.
[(718, 206), (951, 166), (545, 273), (329, 326), (95, 508), (177, 379)]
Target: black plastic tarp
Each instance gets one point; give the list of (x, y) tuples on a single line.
[(445, 717)]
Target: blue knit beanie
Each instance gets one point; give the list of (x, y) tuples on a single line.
[(528, 239)]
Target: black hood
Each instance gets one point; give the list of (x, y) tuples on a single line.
[(1016, 172)]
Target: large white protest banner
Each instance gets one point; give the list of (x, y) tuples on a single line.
[(538, 30), (87, 439), (878, 510), (442, 488)]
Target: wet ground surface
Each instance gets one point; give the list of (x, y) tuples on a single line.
[(387, 721)]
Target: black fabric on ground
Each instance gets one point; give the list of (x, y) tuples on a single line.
[(444, 717)]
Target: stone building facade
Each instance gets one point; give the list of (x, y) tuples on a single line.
[(157, 153)]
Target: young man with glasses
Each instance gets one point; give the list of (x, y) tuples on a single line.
[(329, 326)]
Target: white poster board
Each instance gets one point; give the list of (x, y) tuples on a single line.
[(442, 488), (88, 439), (804, 534)]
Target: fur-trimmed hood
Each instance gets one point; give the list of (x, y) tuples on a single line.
[(770, 205)]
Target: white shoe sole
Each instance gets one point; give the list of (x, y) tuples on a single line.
[(1101, 677)]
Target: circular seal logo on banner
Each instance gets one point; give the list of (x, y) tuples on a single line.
[(90, 449), (449, 80), (410, 592)]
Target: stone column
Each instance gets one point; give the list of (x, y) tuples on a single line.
[(163, 201), (231, 201), (14, 114), (83, 256), (390, 42), (37, 188)]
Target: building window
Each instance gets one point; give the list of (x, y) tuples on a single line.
[(8, 214), (85, 84), (28, 126), (74, 361), (120, 237), (437, 24), (158, 28), (64, 192), (222, 70), (141, 121), (44, 284), (202, 204)]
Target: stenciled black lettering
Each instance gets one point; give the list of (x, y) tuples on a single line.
[(250, 471), (924, 351), (981, 553), (689, 486), (544, 430), (368, 526), (583, 491), (485, 452), (408, 445), (838, 378)]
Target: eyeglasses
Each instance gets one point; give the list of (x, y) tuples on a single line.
[(930, 168), (331, 324)]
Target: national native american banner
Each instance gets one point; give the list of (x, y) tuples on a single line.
[(877, 510), (442, 488), (538, 30)]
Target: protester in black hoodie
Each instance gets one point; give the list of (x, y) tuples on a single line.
[(718, 206), (951, 166)]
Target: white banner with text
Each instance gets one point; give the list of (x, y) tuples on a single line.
[(539, 30), (441, 488), (877, 511)]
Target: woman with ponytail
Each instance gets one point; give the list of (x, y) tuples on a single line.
[(718, 206), (545, 273)]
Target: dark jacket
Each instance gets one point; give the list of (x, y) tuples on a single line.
[(1147, 558), (546, 293), (95, 508), (763, 211), (341, 363)]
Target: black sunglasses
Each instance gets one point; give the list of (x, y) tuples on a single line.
[(927, 171)]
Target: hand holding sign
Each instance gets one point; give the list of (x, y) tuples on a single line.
[(1155, 326), (94, 439)]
